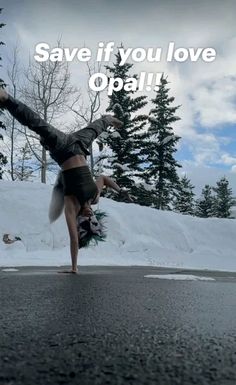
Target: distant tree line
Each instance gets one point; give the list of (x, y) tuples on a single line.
[(215, 201)]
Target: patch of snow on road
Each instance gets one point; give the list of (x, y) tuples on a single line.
[(180, 277), (10, 269)]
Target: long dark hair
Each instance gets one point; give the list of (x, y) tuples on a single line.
[(91, 230)]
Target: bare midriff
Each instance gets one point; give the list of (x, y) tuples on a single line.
[(74, 161)]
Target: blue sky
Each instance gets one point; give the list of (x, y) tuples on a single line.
[(206, 91)]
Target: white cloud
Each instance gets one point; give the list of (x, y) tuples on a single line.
[(229, 160), (233, 169), (214, 101)]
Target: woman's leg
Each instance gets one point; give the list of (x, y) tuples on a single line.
[(50, 136), (87, 135)]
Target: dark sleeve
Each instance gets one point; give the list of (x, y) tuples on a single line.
[(25, 115)]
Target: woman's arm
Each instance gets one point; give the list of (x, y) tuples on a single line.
[(104, 180), (108, 182), (71, 211)]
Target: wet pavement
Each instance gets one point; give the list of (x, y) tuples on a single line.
[(112, 325)]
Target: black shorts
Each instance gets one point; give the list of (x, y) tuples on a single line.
[(79, 182)]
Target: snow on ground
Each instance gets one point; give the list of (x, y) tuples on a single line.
[(136, 235), (180, 277)]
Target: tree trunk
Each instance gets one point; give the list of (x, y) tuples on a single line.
[(12, 140), (43, 168), (91, 159), (44, 154)]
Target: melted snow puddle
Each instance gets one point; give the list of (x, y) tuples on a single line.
[(10, 269), (180, 277)]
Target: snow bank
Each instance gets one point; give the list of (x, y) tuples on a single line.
[(136, 235)]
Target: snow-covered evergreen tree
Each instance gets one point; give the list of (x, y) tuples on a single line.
[(224, 198), (123, 160), (144, 193), (184, 197), (158, 147), (205, 204), (3, 159)]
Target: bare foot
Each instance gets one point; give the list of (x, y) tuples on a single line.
[(68, 272), (3, 95), (114, 121)]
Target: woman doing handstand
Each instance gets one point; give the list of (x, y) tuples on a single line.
[(69, 151)]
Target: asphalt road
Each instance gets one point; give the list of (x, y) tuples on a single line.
[(110, 325)]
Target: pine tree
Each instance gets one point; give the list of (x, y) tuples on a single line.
[(124, 161), (144, 193), (158, 147), (224, 198), (206, 203), (3, 159), (184, 197)]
